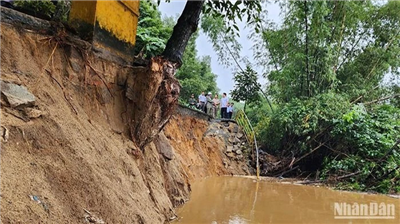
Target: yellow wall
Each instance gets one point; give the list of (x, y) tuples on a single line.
[(132, 5), (116, 18), (120, 18), (83, 11)]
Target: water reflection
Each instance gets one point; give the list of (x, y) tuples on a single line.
[(241, 200)]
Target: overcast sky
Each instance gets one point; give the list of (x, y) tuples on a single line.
[(204, 47)]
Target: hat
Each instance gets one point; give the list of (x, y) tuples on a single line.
[(209, 93)]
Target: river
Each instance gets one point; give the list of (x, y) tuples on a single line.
[(238, 200)]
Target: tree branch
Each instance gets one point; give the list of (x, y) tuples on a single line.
[(349, 53), (379, 60), (382, 99), (267, 45), (306, 50)]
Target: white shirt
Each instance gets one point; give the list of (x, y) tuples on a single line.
[(224, 102), (202, 98)]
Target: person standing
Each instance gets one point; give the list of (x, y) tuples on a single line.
[(215, 105), (228, 111), (202, 101), (224, 105), (209, 104)]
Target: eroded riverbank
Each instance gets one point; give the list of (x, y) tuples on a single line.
[(243, 200), (67, 155)]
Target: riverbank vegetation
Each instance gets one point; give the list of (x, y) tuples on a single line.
[(330, 109), (333, 72)]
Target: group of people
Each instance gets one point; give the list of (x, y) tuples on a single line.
[(210, 105)]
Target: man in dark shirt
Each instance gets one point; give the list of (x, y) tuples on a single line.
[(192, 101)]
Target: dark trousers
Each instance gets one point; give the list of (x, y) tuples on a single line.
[(203, 107), (229, 115), (224, 114)]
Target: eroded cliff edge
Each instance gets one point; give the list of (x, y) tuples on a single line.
[(69, 158)]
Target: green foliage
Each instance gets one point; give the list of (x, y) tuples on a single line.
[(322, 63), (230, 11), (44, 7), (195, 74), (260, 129), (152, 32), (326, 57), (225, 44), (395, 90), (329, 45), (368, 145), (357, 141), (246, 86), (300, 120)]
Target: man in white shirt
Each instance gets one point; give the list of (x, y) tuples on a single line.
[(202, 101), (224, 105)]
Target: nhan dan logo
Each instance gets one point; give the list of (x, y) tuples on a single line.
[(371, 210)]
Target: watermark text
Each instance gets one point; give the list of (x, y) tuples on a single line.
[(371, 210)]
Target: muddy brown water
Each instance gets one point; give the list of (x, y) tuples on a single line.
[(238, 200)]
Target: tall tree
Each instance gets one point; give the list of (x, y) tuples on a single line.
[(246, 88), (326, 45)]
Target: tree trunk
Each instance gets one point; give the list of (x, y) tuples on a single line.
[(308, 86), (183, 30)]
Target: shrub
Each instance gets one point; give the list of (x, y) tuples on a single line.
[(297, 121), (352, 144), (45, 7), (368, 146)]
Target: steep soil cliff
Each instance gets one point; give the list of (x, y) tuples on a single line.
[(67, 155)]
